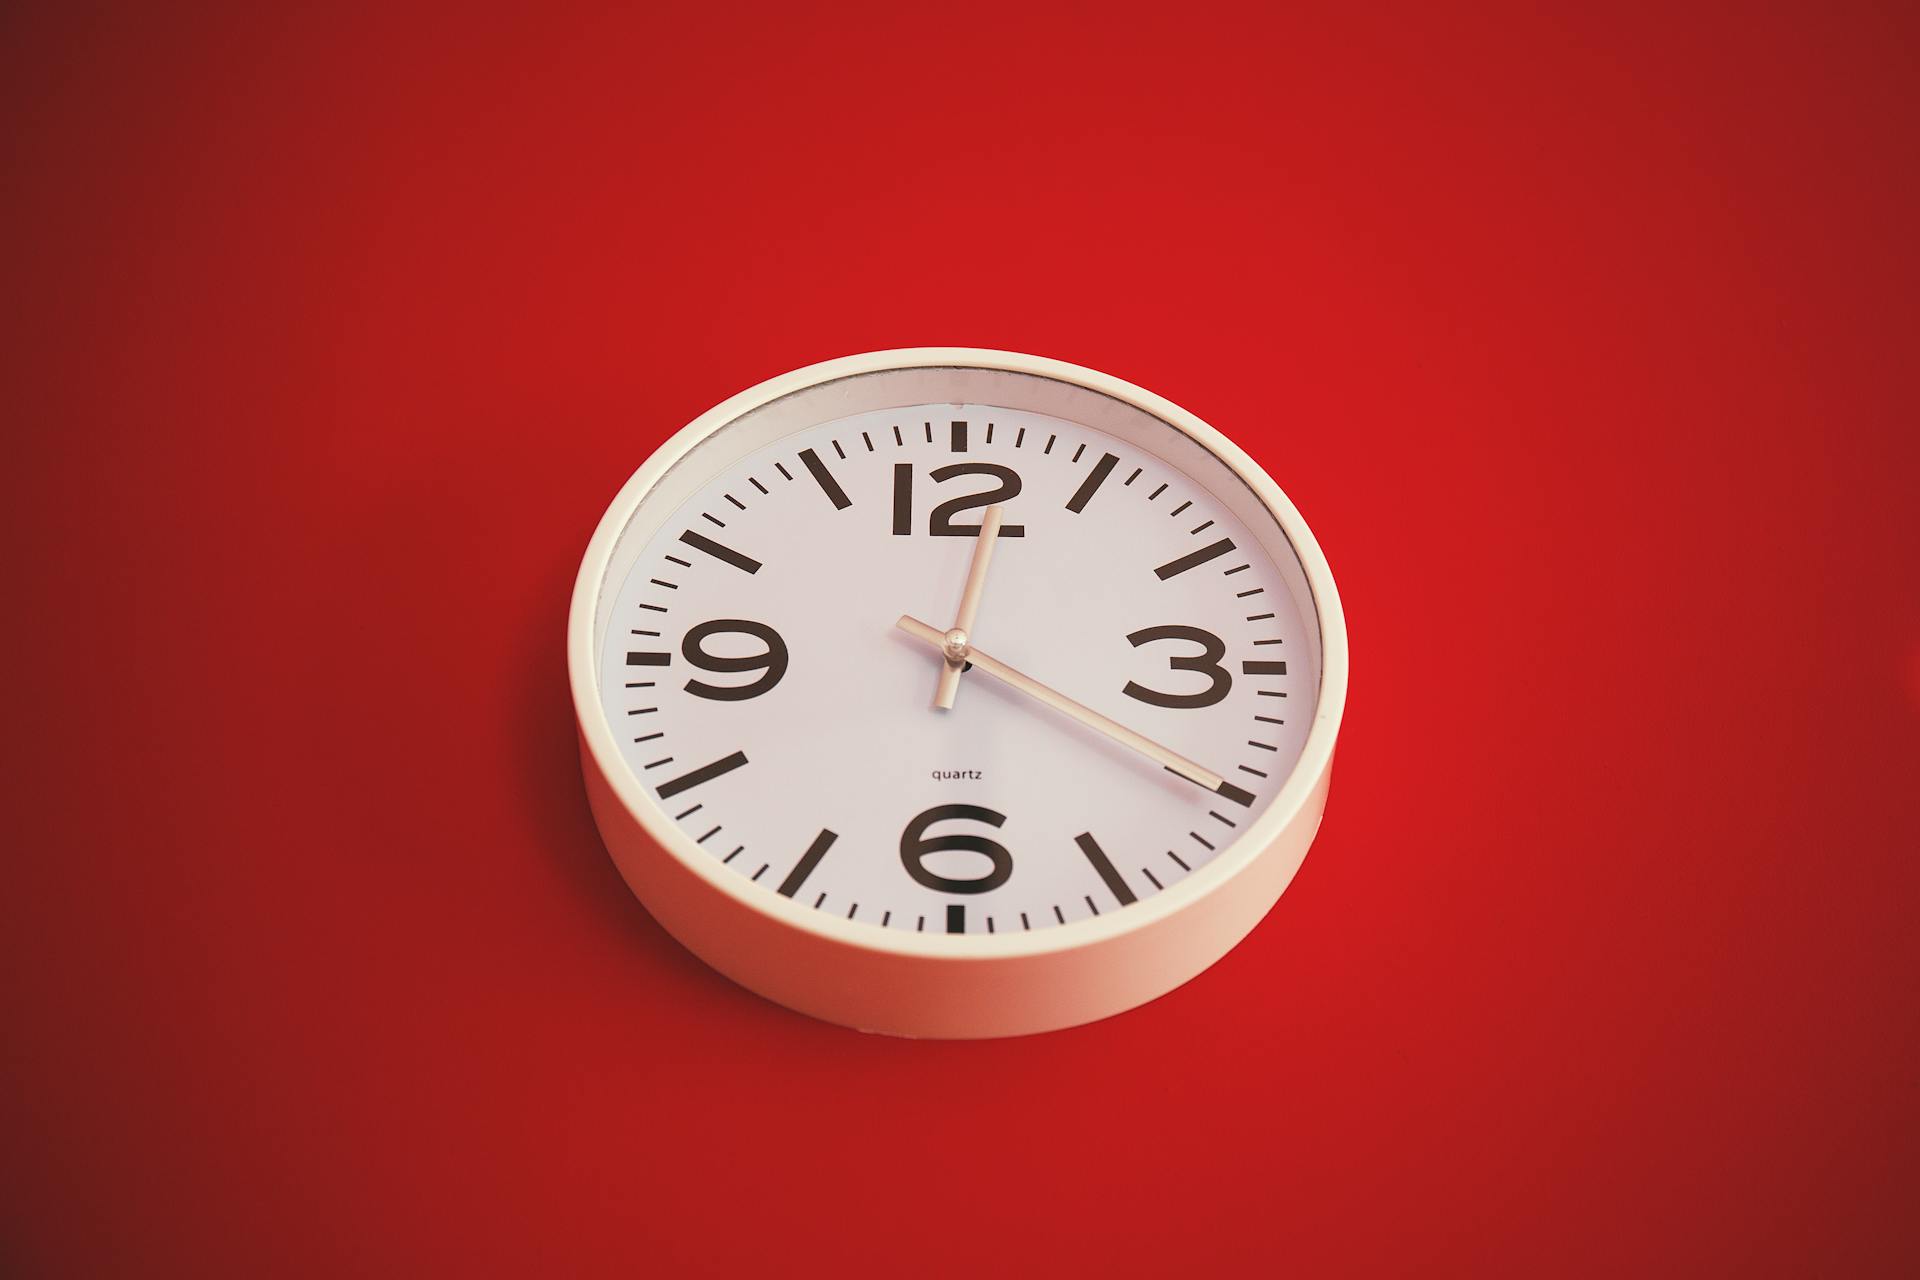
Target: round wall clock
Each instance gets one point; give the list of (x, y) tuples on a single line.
[(949, 692)]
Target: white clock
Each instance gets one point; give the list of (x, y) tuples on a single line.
[(950, 692)]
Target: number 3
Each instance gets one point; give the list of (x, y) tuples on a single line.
[(1212, 650)]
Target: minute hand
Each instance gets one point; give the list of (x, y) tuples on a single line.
[(1067, 706)]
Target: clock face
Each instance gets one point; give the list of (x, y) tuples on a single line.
[(764, 696)]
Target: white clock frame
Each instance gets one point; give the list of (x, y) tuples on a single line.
[(935, 984)]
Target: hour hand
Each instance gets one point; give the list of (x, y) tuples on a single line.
[(949, 645), (969, 607)]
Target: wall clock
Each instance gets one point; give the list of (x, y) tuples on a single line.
[(951, 692)]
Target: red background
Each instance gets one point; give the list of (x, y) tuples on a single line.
[(1585, 341)]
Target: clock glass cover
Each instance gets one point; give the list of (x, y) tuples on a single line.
[(755, 673)]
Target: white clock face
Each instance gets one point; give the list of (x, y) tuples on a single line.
[(761, 692)]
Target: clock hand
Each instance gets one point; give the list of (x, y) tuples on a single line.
[(960, 636), (1062, 703)]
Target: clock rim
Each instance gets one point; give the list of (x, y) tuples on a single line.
[(1215, 876)]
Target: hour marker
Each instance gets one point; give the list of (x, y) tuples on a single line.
[(705, 773), (1095, 478), (959, 437), (648, 659), (720, 551), (1104, 866), (956, 917), (1212, 551), (1264, 668), (1236, 794), (825, 479), (903, 498), (808, 861)]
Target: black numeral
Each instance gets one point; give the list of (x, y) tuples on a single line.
[(940, 522), (915, 845), (771, 662), (1212, 649)]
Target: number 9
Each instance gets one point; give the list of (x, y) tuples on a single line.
[(772, 663)]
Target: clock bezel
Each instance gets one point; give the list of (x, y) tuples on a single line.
[(598, 579)]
